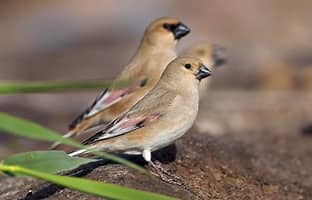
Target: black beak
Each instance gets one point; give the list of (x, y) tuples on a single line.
[(179, 30), (219, 55), (203, 72)]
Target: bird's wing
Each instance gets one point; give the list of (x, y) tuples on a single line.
[(106, 99), (146, 111)]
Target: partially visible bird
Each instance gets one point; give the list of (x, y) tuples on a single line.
[(211, 55), (161, 117), (157, 49), (307, 129)]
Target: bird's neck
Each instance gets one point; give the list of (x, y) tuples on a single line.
[(149, 59), (152, 58), (177, 84), (148, 48)]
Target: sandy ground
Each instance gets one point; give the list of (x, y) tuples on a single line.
[(245, 145)]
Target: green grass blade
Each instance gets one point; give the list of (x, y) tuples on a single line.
[(88, 186), (46, 161), (21, 127), (35, 87)]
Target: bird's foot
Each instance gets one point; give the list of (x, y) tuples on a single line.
[(164, 174)]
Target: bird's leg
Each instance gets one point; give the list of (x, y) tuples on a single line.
[(163, 173)]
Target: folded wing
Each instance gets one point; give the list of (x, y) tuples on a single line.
[(106, 99)]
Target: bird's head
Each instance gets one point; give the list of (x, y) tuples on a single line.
[(218, 55), (211, 55), (187, 68), (165, 30)]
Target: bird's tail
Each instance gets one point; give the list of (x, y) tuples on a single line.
[(75, 153), (67, 135)]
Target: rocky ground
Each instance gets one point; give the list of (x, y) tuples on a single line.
[(245, 145)]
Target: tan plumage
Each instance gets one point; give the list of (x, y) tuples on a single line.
[(210, 54), (158, 119), (157, 49)]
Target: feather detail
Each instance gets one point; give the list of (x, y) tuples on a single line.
[(106, 99), (122, 126)]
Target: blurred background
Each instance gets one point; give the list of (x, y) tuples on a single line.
[(264, 90)]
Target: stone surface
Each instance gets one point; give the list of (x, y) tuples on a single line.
[(225, 167)]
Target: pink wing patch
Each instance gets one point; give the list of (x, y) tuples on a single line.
[(106, 99), (113, 96), (117, 94), (123, 126)]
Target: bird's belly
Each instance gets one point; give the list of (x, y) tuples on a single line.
[(168, 130), (158, 141), (177, 127), (168, 137)]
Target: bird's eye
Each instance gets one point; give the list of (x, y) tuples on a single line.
[(188, 66)]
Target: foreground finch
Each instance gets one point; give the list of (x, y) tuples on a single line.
[(157, 49), (211, 55), (158, 119)]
